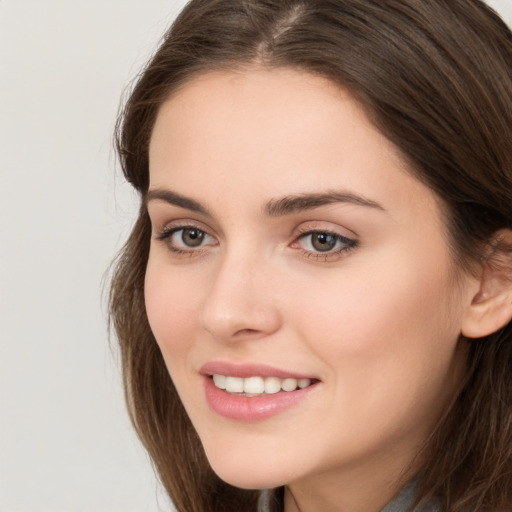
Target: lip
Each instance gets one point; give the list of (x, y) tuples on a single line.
[(251, 409), (248, 370)]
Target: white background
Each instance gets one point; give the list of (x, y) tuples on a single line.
[(65, 441)]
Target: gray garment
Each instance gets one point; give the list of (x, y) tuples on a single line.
[(403, 502)]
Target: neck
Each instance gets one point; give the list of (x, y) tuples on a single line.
[(346, 499), (366, 488)]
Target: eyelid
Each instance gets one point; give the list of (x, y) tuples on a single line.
[(345, 238), (163, 228), (163, 215), (349, 242), (166, 233), (324, 227)]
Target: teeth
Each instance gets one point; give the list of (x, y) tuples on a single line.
[(303, 383), (272, 385), (235, 384), (220, 381), (254, 386), (289, 384)]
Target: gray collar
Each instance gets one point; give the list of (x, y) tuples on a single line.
[(404, 501)]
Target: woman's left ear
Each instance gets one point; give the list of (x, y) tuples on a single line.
[(491, 307)]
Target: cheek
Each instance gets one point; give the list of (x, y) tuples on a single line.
[(394, 298), (390, 330), (172, 308)]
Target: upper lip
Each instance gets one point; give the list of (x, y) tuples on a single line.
[(249, 370)]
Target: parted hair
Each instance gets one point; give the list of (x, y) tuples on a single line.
[(435, 77)]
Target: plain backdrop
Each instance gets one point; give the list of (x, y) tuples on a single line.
[(66, 444)]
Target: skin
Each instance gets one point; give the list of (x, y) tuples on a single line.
[(377, 324)]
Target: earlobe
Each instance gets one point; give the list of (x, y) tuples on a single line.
[(491, 306)]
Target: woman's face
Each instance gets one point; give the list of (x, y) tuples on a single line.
[(295, 257)]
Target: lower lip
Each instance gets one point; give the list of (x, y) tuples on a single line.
[(243, 408)]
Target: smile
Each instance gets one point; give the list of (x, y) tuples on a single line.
[(254, 392), (258, 386)]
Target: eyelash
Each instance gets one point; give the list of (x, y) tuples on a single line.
[(347, 244), (166, 236)]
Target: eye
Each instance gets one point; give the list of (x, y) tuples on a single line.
[(190, 237), (324, 243), (186, 238)]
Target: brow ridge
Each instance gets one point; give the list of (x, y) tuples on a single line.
[(176, 199), (275, 207), (302, 202)]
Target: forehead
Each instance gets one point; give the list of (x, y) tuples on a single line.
[(265, 133), (257, 99)]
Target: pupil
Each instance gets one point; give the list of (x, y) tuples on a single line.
[(192, 237), (323, 242)]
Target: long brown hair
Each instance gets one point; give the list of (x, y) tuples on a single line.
[(435, 76)]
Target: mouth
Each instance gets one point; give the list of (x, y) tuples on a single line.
[(254, 392), (257, 386)]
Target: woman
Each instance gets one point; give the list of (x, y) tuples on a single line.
[(315, 300)]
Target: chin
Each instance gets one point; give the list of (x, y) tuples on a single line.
[(245, 473), (245, 477)]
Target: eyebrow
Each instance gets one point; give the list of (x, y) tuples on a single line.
[(275, 207), (303, 202), (177, 200)]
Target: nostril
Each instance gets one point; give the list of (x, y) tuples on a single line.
[(247, 331)]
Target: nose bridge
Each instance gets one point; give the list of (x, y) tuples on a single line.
[(240, 301)]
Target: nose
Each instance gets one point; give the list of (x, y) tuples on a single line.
[(241, 301)]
